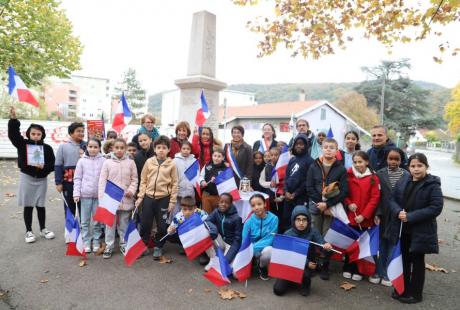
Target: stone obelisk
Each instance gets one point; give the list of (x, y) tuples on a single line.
[(201, 72)]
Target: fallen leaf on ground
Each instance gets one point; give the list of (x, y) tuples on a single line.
[(347, 286), (226, 293), (3, 293), (207, 290), (190, 290), (165, 260), (82, 263), (433, 267), (44, 281), (10, 195), (101, 250)]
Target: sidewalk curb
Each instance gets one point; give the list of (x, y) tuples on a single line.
[(452, 198)]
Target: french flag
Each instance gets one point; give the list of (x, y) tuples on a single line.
[(73, 236), (242, 263), (134, 244), (219, 269), (232, 161), (194, 236), (395, 269), (203, 112), (363, 250), (192, 174), (279, 173), (107, 209), (122, 115), (289, 256), (225, 183), (341, 236), (19, 90)]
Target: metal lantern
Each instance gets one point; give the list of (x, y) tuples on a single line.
[(245, 185)]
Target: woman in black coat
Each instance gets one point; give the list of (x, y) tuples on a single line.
[(416, 203)]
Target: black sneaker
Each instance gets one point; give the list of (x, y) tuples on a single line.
[(409, 300), (304, 290), (263, 273), (203, 259), (181, 251), (324, 274)]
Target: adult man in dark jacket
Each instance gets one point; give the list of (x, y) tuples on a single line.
[(303, 127), (381, 144)]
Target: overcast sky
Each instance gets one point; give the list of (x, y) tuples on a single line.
[(153, 38)]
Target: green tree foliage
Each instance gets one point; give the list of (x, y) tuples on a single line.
[(452, 112), (36, 38), (134, 93), (314, 28)]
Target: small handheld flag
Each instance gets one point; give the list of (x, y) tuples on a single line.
[(192, 173), (395, 269), (73, 236), (202, 114), (289, 256), (107, 209), (219, 269), (242, 263), (194, 236), (19, 90), (279, 173), (122, 115), (134, 244), (225, 183), (363, 250)]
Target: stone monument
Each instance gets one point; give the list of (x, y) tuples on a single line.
[(201, 72)]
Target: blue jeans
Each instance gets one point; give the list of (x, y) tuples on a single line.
[(385, 251), (88, 208)]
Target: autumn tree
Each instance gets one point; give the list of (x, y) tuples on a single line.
[(355, 106), (134, 93), (314, 28), (36, 39), (452, 112)]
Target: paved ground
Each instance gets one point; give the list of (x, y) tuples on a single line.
[(108, 284)]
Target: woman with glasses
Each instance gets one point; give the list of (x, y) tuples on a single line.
[(148, 128)]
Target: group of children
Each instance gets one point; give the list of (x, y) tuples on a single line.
[(303, 202)]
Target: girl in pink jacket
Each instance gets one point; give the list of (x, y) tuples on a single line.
[(85, 189), (121, 170)]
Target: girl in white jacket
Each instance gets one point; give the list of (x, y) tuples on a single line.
[(183, 160)]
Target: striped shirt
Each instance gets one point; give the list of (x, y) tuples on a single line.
[(394, 176)]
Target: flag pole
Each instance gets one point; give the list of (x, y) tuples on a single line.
[(321, 245), (400, 228), (360, 228)]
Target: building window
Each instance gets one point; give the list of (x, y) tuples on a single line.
[(284, 127), (323, 114)]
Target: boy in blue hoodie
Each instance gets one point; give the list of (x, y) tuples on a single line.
[(301, 228), (295, 188), (225, 226), (261, 227)]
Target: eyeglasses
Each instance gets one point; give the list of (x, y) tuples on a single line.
[(301, 220)]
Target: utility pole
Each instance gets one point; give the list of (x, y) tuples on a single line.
[(382, 98)]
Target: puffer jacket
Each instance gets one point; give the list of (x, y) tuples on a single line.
[(186, 188), (123, 173), (159, 181), (229, 226), (261, 230), (310, 233), (86, 177), (421, 216)]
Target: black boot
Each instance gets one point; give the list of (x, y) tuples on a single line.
[(204, 259), (324, 272)]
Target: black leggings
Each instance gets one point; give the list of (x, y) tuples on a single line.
[(41, 214), (154, 209), (413, 269)]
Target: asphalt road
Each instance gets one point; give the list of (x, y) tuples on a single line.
[(108, 284)]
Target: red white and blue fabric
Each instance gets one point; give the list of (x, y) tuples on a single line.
[(362, 251), (395, 269), (194, 236), (73, 236), (279, 173), (225, 183), (232, 161), (202, 114), (219, 269), (134, 244), (330, 134), (242, 263), (263, 147), (108, 205), (192, 173), (341, 236), (17, 89), (122, 115), (289, 256)]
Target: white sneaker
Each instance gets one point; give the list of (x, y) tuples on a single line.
[(47, 234), (346, 275), (208, 266), (87, 249), (386, 283), (30, 237), (357, 277), (375, 279)]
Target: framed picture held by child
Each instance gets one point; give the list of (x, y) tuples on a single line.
[(35, 155)]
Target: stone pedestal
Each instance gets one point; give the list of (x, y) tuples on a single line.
[(201, 72)]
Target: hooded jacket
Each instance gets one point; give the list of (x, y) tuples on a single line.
[(20, 144), (364, 191), (377, 158), (310, 233), (261, 230), (186, 188), (421, 217), (229, 226), (296, 172), (67, 157), (86, 178), (123, 173)]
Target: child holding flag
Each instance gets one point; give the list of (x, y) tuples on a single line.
[(120, 170), (261, 226), (183, 160), (85, 191), (157, 193), (301, 228), (210, 196), (361, 202), (416, 203)]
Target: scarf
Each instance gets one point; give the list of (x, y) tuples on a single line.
[(151, 133), (360, 175)]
